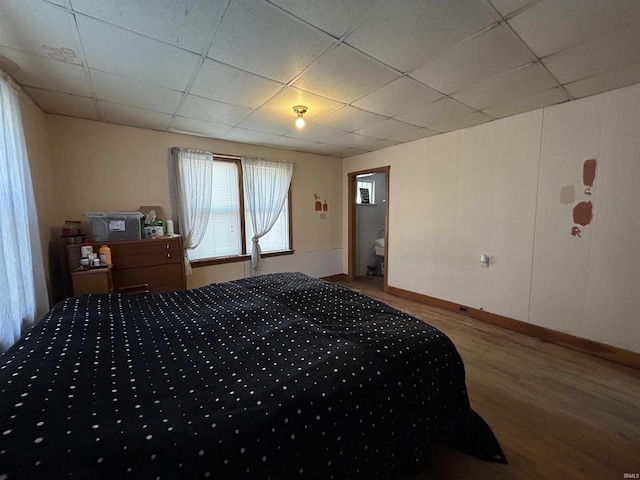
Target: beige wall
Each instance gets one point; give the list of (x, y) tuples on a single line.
[(34, 123), (495, 189), (102, 167)]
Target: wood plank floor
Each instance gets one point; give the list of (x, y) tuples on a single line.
[(558, 413)]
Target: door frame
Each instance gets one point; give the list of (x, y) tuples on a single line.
[(351, 221)]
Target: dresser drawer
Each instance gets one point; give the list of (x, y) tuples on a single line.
[(147, 266), (152, 279), (145, 253), (95, 280)]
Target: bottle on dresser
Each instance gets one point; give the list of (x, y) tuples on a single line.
[(105, 255)]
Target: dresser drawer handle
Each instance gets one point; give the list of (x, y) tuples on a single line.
[(168, 255), (168, 246)]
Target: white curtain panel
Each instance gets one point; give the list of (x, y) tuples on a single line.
[(266, 185), (194, 171), (23, 290)]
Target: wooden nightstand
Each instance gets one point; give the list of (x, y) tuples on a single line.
[(95, 280)]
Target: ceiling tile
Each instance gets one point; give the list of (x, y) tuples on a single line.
[(284, 101), (322, 149), (259, 38), (550, 26), (314, 133), (295, 144), (388, 129), (380, 144), (191, 126), (344, 75), (44, 72), (418, 33), (608, 52), (441, 65), (475, 118), (345, 152), (268, 122), (120, 52), (217, 81), (115, 89), (212, 111), (521, 105), (398, 97), (135, 117), (334, 17), (41, 28), (410, 136), (326, 149), (354, 140), (489, 54), (188, 24), (522, 82), (436, 112), (349, 119), (64, 103), (507, 7), (622, 77), (243, 135)]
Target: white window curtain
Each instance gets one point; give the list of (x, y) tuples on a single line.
[(193, 170), (23, 290), (266, 186)]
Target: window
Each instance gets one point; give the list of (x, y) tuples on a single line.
[(365, 192), (278, 237), (229, 231), (223, 233)]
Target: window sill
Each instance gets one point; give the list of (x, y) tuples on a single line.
[(205, 262)]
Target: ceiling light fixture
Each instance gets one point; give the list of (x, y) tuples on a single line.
[(300, 110)]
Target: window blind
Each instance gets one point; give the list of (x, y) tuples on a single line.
[(223, 234)]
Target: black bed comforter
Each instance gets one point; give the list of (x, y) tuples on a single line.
[(279, 376)]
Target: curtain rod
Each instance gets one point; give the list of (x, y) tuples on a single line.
[(222, 155), (219, 155)]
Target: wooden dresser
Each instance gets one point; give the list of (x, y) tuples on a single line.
[(147, 266)]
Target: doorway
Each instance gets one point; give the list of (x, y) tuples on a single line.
[(368, 221)]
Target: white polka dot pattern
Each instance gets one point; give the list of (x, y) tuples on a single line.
[(279, 376)]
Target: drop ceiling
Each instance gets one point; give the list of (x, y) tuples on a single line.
[(372, 73)]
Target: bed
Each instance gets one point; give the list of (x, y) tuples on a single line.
[(277, 376)]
